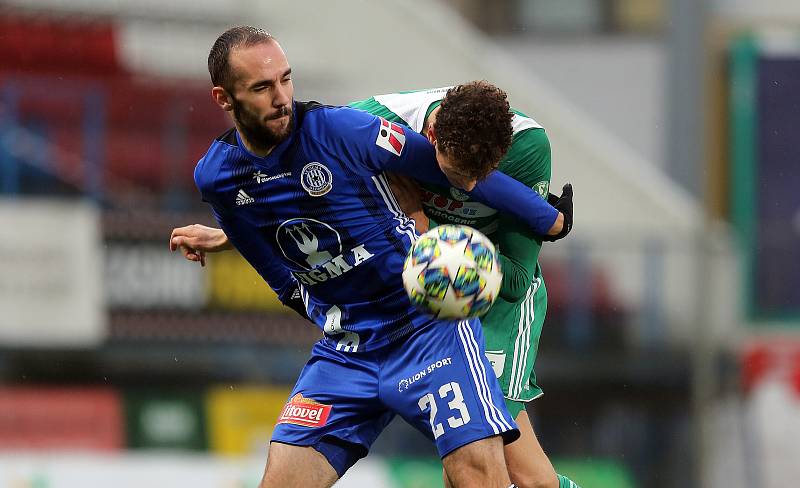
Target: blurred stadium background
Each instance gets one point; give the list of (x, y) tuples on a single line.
[(671, 352)]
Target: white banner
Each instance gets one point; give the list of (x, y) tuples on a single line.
[(147, 276), (50, 273)]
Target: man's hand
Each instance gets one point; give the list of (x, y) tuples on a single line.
[(409, 197), (195, 240), (564, 205)]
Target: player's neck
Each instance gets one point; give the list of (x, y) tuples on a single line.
[(256, 149)]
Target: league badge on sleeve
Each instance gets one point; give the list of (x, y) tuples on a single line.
[(391, 137)]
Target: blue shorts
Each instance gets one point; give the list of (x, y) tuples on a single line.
[(438, 379)]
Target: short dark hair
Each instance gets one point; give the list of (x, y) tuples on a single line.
[(473, 127), (219, 57)]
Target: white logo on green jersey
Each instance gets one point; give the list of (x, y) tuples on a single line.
[(542, 188)]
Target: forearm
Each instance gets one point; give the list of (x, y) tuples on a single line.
[(519, 253), (558, 225), (513, 198)]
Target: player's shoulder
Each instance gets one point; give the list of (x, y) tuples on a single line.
[(529, 158), (222, 149), (521, 121), (337, 124), (336, 117), (531, 139)]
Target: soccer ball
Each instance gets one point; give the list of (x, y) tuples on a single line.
[(452, 271)]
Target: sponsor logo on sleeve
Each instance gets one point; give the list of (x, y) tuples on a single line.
[(391, 137), (304, 411)]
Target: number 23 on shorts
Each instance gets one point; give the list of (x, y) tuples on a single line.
[(428, 400)]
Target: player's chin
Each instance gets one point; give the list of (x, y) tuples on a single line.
[(275, 134), (279, 125)]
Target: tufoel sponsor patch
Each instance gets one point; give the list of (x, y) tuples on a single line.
[(304, 411)]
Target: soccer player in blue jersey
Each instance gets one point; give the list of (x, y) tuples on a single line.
[(300, 191)]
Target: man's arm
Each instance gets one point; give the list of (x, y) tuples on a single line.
[(195, 240), (238, 233), (375, 146), (529, 162), (409, 196)]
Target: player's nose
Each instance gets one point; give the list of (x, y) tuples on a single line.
[(281, 98)]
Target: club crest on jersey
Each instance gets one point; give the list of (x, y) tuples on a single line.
[(459, 195), (391, 137), (316, 248), (542, 188), (498, 361), (316, 179), (304, 411)]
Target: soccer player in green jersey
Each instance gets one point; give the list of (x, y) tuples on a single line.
[(513, 325)]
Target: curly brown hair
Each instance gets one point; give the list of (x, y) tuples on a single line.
[(473, 127)]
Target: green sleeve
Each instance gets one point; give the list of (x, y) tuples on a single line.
[(372, 106), (528, 161)]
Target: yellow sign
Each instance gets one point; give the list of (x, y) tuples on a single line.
[(234, 285), (241, 419)]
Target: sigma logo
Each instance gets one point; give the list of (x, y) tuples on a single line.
[(316, 247), (316, 179), (308, 243), (304, 411)]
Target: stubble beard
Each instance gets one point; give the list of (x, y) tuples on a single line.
[(254, 129)]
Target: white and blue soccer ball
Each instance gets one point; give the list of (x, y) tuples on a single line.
[(452, 271)]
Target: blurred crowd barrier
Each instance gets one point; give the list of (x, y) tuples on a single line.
[(63, 437), (233, 420)]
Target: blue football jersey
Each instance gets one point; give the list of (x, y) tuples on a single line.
[(317, 213)]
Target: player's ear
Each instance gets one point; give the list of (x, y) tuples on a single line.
[(222, 98), (431, 134)]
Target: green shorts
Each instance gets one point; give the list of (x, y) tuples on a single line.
[(512, 332), (515, 408)]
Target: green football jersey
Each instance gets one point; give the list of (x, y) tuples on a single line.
[(513, 324)]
